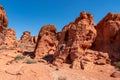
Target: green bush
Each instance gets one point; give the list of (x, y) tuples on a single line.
[(30, 61), (118, 64), (19, 57)]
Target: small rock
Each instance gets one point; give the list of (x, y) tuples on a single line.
[(115, 74)]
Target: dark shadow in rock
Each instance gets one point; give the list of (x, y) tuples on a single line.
[(68, 61), (30, 54), (48, 58)]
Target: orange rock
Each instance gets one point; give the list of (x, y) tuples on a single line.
[(47, 41), (10, 38), (3, 19), (108, 35), (27, 39), (7, 36)]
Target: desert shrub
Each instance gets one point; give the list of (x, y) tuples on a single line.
[(30, 61), (118, 64), (19, 57), (62, 78)]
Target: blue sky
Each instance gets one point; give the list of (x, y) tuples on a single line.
[(31, 15)]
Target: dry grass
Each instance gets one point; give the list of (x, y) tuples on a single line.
[(19, 57), (62, 78), (30, 61)]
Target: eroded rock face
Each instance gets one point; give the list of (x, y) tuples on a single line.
[(108, 36), (76, 37), (27, 39), (3, 19), (91, 58), (47, 41)]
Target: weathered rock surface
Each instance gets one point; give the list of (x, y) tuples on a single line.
[(10, 38), (75, 39), (47, 41), (108, 36), (27, 39)]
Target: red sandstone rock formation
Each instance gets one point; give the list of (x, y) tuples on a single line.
[(47, 41), (108, 36), (75, 39), (27, 39), (3, 19), (3, 23), (7, 36), (72, 43)]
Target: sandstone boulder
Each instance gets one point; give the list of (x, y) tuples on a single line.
[(10, 38), (47, 41), (108, 36), (27, 39)]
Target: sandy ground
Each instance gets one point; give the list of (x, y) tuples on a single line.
[(44, 71)]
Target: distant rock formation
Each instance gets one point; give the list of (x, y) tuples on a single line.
[(108, 36), (47, 41), (27, 39), (10, 37)]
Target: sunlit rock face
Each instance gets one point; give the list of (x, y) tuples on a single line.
[(108, 36), (74, 41), (47, 41), (10, 38)]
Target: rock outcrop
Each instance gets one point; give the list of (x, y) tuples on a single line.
[(3, 19), (79, 44), (27, 39), (108, 36), (75, 38), (7, 36), (47, 41), (10, 38)]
